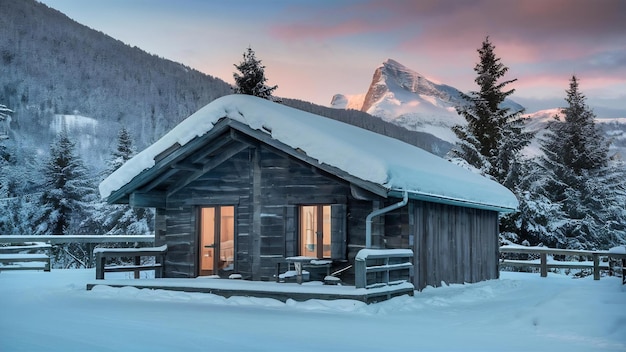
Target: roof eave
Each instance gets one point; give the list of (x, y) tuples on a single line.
[(452, 201), (122, 195)]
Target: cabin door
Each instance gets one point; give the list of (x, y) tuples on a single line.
[(217, 235)]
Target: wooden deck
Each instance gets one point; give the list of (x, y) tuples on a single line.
[(263, 289)]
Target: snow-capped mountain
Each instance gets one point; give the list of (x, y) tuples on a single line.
[(404, 97)]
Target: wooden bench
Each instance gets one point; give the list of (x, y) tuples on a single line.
[(382, 262), (157, 252), (13, 258)]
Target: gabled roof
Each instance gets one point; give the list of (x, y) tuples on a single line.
[(380, 164)]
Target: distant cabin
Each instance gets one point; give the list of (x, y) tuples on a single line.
[(244, 183)]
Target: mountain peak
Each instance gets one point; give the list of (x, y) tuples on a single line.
[(399, 95), (393, 63), (395, 68), (393, 80), (406, 98)]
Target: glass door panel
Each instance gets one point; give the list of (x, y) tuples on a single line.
[(207, 241), (217, 240), (315, 231), (227, 238)]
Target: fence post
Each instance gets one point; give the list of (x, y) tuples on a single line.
[(137, 263), (360, 275), (99, 266), (596, 266), (544, 264)]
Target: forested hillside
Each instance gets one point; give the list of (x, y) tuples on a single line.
[(53, 65)]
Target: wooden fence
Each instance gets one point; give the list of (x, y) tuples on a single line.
[(544, 264), (91, 240)]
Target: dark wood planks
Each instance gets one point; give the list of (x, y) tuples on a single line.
[(453, 244)]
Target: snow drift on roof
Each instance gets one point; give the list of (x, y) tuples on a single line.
[(369, 156)]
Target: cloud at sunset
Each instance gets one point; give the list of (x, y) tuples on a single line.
[(543, 42), (315, 49)]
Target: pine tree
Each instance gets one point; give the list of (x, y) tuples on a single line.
[(586, 149), (67, 189), (539, 220), (577, 176), (251, 79), (121, 219), (123, 151), (493, 137)]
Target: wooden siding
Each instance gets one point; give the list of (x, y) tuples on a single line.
[(452, 244), (265, 186), (284, 184)]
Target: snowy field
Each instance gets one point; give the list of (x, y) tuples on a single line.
[(520, 312)]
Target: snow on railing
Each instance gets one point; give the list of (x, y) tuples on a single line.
[(91, 241), (373, 267), (544, 263)]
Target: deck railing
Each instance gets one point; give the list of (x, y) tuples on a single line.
[(90, 240), (544, 264), (382, 267)]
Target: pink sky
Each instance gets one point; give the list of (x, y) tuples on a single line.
[(315, 49)]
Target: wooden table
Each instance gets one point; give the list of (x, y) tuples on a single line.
[(297, 263)]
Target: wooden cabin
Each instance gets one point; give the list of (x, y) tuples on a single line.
[(244, 183)]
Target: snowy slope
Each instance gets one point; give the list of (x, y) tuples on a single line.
[(519, 312), (400, 95)]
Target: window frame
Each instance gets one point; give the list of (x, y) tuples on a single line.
[(338, 232)]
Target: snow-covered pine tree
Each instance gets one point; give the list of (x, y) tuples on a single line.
[(251, 77), (67, 190), (577, 175), (121, 219), (18, 188), (539, 220), (122, 153), (494, 136)]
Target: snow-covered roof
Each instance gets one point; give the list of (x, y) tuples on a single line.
[(371, 157)]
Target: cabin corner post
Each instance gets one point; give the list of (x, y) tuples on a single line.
[(160, 236)]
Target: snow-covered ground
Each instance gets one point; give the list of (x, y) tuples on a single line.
[(520, 312)]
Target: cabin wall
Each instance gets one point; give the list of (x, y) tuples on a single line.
[(451, 244), (265, 186)]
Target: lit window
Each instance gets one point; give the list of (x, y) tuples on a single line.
[(315, 231)]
